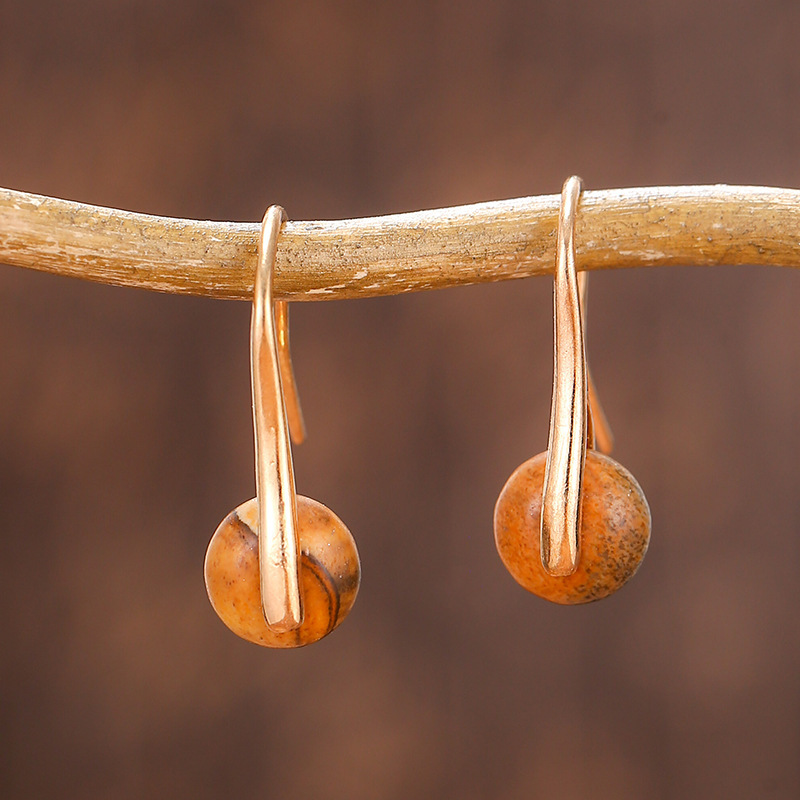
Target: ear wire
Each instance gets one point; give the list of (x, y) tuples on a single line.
[(566, 449), (278, 544)]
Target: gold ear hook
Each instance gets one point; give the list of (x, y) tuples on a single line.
[(577, 418), (277, 515), (566, 449), (598, 431), (297, 425)]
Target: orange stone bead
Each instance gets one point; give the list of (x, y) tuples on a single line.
[(613, 536), (330, 574)]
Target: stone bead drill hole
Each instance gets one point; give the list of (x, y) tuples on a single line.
[(330, 574), (614, 530)]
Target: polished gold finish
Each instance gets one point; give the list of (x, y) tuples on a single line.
[(566, 448), (334, 260), (294, 413), (277, 515), (598, 431)]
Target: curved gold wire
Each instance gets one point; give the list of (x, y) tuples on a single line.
[(598, 431), (278, 546), (566, 449), (297, 425)]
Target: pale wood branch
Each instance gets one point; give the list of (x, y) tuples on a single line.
[(686, 225)]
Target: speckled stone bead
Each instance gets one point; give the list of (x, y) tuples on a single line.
[(614, 530), (330, 574)]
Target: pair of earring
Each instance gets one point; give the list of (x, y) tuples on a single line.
[(571, 524)]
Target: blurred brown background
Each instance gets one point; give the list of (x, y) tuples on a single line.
[(125, 431)]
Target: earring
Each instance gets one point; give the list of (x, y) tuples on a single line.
[(281, 570), (572, 525)]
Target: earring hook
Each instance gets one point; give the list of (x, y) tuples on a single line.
[(278, 545), (294, 413), (598, 431), (566, 449)]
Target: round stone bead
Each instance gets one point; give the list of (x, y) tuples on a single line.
[(613, 535), (330, 574)]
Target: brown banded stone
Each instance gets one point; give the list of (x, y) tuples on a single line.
[(614, 530), (330, 574)]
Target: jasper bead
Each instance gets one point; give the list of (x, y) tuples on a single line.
[(614, 530), (330, 574)]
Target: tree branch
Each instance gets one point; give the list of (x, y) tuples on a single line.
[(686, 225)]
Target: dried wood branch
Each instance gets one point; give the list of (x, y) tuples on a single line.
[(686, 225)]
